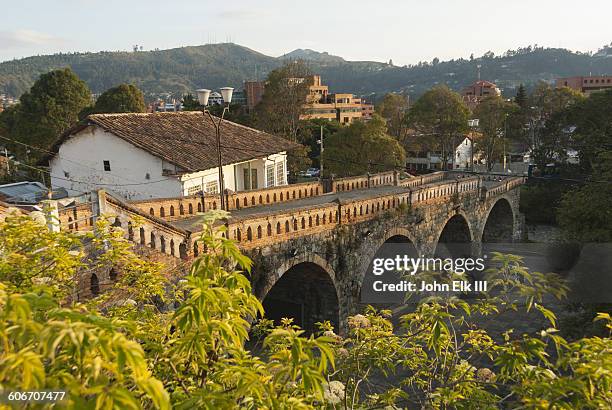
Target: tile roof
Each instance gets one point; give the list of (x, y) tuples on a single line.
[(187, 138)]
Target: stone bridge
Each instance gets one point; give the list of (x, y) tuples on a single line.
[(311, 248)]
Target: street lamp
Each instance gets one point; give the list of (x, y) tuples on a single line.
[(203, 96)]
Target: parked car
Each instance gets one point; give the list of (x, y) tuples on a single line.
[(312, 172)]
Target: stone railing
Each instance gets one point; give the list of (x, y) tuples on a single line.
[(422, 180), (143, 228), (172, 208), (76, 217), (273, 195), (504, 186), (363, 181)]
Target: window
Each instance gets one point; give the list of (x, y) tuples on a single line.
[(269, 175), (106, 165), (280, 173), (250, 182), (193, 190), (212, 187)]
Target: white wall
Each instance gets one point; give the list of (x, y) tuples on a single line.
[(463, 154), (79, 167)]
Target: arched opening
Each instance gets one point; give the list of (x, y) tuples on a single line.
[(162, 244), (130, 231), (396, 247), (94, 285), (152, 240), (305, 293), (172, 247), (142, 236), (500, 223), (455, 239), (183, 250)]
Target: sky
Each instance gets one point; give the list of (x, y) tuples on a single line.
[(406, 31)]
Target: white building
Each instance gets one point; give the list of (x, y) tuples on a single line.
[(165, 154), (463, 154)]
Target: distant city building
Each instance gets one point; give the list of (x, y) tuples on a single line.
[(342, 107), (215, 98), (164, 154), (476, 92), (254, 91), (239, 97), (367, 110), (586, 85), (6, 101)]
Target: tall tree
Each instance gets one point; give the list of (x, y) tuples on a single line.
[(362, 147), (440, 113), (492, 114), (50, 107), (393, 108), (521, 98), (284, 99), (123, 98)]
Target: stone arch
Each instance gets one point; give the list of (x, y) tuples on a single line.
[(152, 244), (130, 231), (371, 247), (162, 244), (142, 236), (94, 285), (269, 230), (259, 232), (181, 209), (190, 209), (113, 274), (151, 211), (249, 234), (162, 212), (172, 247), (498, 224), (278, 228), (305, 289), (455, 237), (171, 210)]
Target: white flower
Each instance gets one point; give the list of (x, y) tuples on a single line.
[(333, 392)]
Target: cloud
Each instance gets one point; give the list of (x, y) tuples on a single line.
[(11, 40)]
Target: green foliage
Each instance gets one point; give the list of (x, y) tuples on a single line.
[(283, 100), (123, 98), (393, 108), (585, 213), (492, 113), (439, 116), (442, 357), (123, 349), (50, 107), (540, 200), (362, 147)]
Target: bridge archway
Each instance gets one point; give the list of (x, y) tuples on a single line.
[(499, 225), (455, 238), (396, 242), (305, 290)]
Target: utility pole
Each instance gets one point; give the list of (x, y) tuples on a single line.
[(8, 164), (321, 155)]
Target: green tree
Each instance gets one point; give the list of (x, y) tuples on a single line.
[(50, 107), (362, 147), (492, 114), (190, 103), (441, 117), (393, 108), (309, 135), (123, 98), (521, 98)]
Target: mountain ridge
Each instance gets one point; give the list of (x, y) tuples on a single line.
[(183, 69)]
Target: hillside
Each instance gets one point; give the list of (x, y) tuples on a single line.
[(184, 69)]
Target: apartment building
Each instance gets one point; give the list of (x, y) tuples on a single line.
[(587, 84), (342, 107)]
